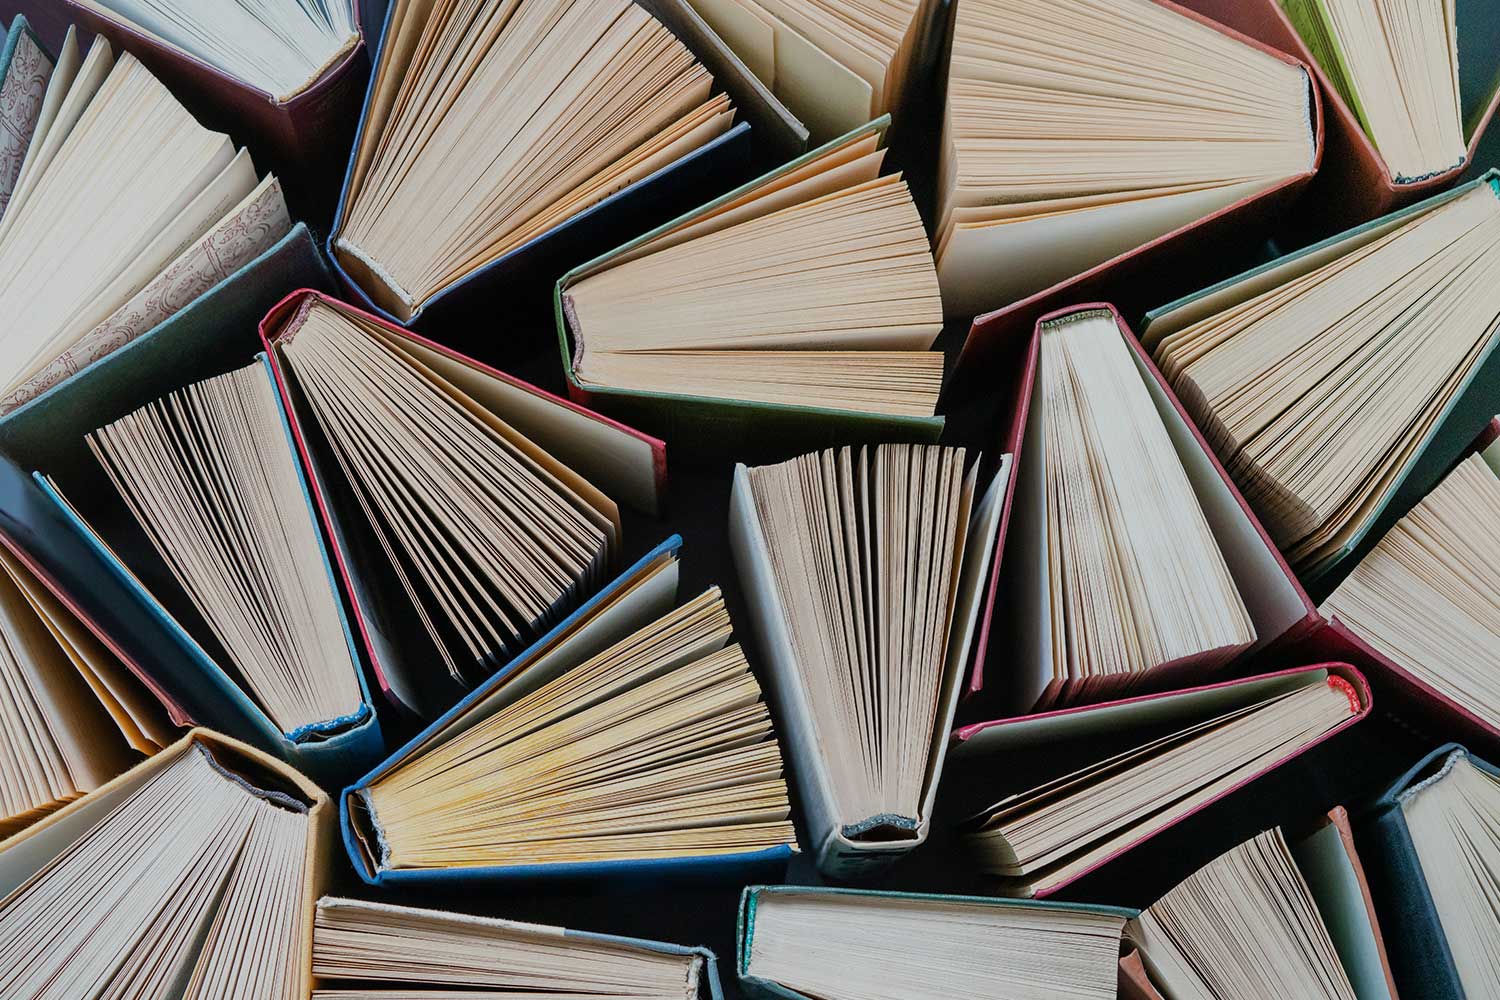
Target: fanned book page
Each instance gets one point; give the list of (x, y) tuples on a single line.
[(1135, 575), (1428, 595), (869, 579), (119, 182), (71, 715), (1077, 130), (1243, 927), (1395, 64), (812, 287), (1318, 391), (279, 47), (1454, 821), (656, 747), (834, 63), (486, 538), (447, 177), (849, 945), (376, 951), (209, 474), (1039, 839), (188, 879)]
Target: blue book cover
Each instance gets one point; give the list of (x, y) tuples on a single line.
[(361, 830)]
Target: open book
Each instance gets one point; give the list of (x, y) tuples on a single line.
[(120, 195), (1435, 860), (1395, 65), (280, 47), (1322, 380), (865, 572), (1078, 130), (1245, 926), (811, 287), (1427, 597), (1113, 554), (634, 735), (1091, 783), (193, 875), (447, 179), (447, 497), (835, 65), (209, 474), (846, 944), (376, 951), (71, 716)]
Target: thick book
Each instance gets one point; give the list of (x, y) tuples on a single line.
[(793, 353), (119, 192), (1131, 408), (866, 571), (1076, 164), (1275, 363), (195, 873), (301, 122), (1275, 915), (416, 952), (1431, 852), (213, 333), (530, 531), (1082, 786), (799, 943), (218, 539), (1356, 182), (542, 746), (572, 180)]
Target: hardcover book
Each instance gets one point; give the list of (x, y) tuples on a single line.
[(502, 543), (630, 741)]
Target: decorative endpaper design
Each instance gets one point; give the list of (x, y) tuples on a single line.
[(238, 238), (20, 106)]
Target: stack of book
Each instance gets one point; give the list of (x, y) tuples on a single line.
[(1060, 587)]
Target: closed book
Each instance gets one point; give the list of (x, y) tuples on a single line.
[(25, 68)]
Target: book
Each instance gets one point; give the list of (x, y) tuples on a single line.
[(209, 475), (1085, 785), (284, 76), (1430, 847), (193, 874), (1070, 139), (865, 572), (1252, 922), (1358, 181), (840, 944), (453, 564), (180, 517), (1305, 378), (25, 69), (738, 316), (73, 717), (365, 950), (601, 98), (630, 740), (834, 71), (123, 181), (1422, 598), (1133, 562)]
